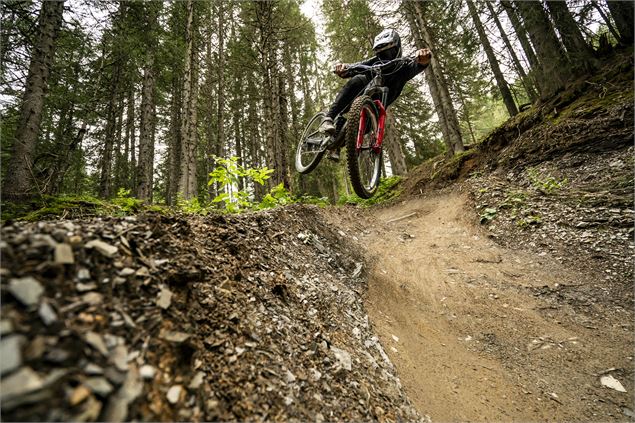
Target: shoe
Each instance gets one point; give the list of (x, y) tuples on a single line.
[(327, 126), (333, 155)]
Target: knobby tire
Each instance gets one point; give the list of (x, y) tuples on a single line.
[(354, 171)]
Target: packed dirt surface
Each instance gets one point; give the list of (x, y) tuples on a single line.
[(471, 335)]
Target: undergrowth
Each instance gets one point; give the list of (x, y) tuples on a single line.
[(388, 189)]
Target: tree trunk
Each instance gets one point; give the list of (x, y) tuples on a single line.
[(455, 141), (174, 143), (221, 84), (527, 83), (187, 159), (18, 180), (145, 169), (393, 146), (521, 33), (283, 132), (606, 19), (129, 149), (493, 62), (556, 70), (622, 13), (105, 175), (580, 53)]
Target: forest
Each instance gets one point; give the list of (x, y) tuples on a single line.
[(147, 99)]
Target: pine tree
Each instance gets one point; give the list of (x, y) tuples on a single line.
[(493, 61), (18, 182)]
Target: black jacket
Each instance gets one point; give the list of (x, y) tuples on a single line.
[(397, 80)]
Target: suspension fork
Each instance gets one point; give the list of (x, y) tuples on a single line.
[(380, 130)]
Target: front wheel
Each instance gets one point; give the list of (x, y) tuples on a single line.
[(311, 146), (364, 160)]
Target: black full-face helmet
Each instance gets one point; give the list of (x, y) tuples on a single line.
[(387, 45)]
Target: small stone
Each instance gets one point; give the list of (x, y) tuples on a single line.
[(20, 383), (173, 336), (147, 371), (92, 298), (11, 353), (126, 271), (47, 314), (36, 348), (78, 395), (6, 327), (174, 394), (165, 298), (103, 247), (93, 369), (395, 338), (610, 382), (83, 287), (99, 385), (343, 357), (197, 380), (290, 377), (26, 290), (57, 355), (83, 274), (143, 271), (75, 240), (64, 254), (96, 341), (119, 357)]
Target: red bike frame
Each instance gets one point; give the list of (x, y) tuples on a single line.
[(380, 129)]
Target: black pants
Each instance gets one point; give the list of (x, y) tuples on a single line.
[(355, 86)]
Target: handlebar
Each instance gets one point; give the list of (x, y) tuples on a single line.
[(377, 67)]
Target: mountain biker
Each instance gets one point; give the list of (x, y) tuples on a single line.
[(387, 46)]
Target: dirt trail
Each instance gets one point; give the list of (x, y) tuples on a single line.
[(471, 332)]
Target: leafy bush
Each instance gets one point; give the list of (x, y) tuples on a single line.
[(227, 173)]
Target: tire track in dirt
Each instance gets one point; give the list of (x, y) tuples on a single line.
[(460, 318)]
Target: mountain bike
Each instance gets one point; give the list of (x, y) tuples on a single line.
[(362, 132)]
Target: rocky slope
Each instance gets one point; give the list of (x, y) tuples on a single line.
[(257, 317)]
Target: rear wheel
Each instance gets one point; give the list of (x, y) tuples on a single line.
[(311, 146), (364, 162)]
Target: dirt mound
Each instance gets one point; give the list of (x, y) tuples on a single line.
[(256, 317), (593, 115)]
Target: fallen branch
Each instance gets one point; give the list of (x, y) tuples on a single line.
[(402, 217)]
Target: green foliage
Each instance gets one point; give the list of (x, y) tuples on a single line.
[(278, 196), (127, 204), (529, 220), (546, 184), (75, 207), (388, 190), (488, 215), (514, 200), (228, 174)]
